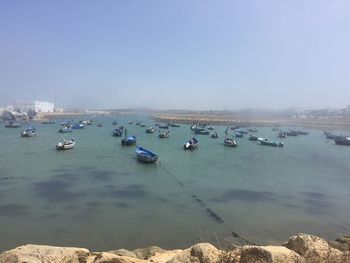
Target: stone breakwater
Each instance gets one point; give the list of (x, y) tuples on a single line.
[(302, 248)]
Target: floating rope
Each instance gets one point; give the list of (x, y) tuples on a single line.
[(218, 219)]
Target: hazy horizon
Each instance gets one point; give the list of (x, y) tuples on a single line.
[(196, 55)]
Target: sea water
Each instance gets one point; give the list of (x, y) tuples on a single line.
[(99, 196)]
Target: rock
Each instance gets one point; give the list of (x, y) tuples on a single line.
[(165, 256), (315, 249), (43, 254), (123, 252), (104, 257), (199, 253), (269, 254), (341, 243), (205, 252), (145, 253)]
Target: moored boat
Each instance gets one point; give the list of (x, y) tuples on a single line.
[(145, 156), (282, 134), (253, 138), (48, 122), (65, 129), (332, 136), (214, 135), (131, 140), (65, 145), (78, 126), (200, 130), (229, 141), (117, 131), (163, 126), (12, 124), (342, 140), (29, 132), (164, 134), (265, 141), (150, 130), (191, 144)]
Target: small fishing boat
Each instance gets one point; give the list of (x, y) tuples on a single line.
[(342, 140), (115, 122), (265, 141), (191, 144), (301, 132), (65, 129), (164, 134), (238, 135), (200, 130), (143, 125), (282, 134), (150, 130), (292, 133), (65, 145), (29, 132), (99, 124), (211, 128), (145, 156), (117, 131), (78, 126), (12, 124), (229, 142), (252, 130), (174, 125), (48, 122), (253, 138), (332, 136), (163, 126), (131, 140), (214, 135)]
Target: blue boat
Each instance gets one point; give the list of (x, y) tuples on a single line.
[(131, 140), (65, 129), (78, 126), (145, 156)]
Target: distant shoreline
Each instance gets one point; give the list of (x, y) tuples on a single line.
[(246, 121), (209, 119)]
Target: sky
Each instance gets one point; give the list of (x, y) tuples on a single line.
[(183, 54)]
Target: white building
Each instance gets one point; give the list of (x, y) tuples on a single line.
[(37, 106), (42, 106)]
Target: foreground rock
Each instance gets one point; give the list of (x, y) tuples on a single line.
[(43, 254), (301, 248)]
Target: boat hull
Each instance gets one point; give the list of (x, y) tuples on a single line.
[(342, 141)]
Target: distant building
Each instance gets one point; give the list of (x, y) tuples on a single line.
[(37, 106)]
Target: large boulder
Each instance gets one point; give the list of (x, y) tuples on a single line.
[(44, 254), (199, 253), (104, 257), (145, 253), (269, 254), (342, 243), (315, 249)]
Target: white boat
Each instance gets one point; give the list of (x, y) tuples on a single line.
[(65, 145), (30, 132)]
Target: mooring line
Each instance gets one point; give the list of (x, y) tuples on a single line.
[(210, 212)]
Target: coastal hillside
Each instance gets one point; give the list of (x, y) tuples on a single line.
[(302, 248)]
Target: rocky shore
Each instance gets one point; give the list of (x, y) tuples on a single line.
[(302, 248)]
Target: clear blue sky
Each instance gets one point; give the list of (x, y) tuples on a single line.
[(193, 54)]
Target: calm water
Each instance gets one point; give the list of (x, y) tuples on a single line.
[(99, 197)]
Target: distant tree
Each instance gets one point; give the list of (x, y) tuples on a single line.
[(31, 113), (8, 116)]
